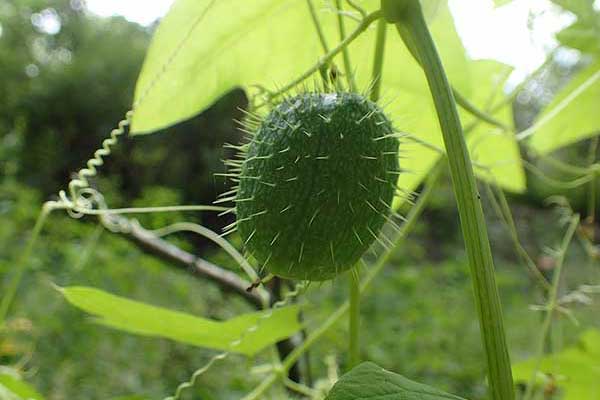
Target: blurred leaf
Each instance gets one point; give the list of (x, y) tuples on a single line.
[(144, 319), (496, 155), (583, 9), (500, 3), (369, 381), (575, 370), (572, 115), (581, 36), (13, 388)]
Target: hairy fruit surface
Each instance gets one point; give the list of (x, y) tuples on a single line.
[(316, 184)]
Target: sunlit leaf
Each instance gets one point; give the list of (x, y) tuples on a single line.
[(144, 319), (572, 115), (369, 381), (268, 43), (575, 370), (13, 388), (235, 43)]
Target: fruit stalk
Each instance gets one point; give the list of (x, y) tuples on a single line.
[(354, 353), (409, 20)]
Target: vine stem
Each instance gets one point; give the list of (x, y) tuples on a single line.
[(376, 76), (345, 52), (11, 291), (354, 321), (411, 25), (317, 24), (551, 305), (411, 219), (364, 24)]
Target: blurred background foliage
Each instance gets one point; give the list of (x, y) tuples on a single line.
[(63, 87)]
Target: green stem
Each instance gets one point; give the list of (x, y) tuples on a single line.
[(476, 112), (317, 24), (364, 24), (354, 349), (413, 30), (411, 219), (551, 305), (377, 75), (500, 205), (345, 53), (21, 264), (591, 214)]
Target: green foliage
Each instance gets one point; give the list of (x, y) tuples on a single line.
[(573, 372), (369, 381), (222, 53), (143, 319), (434, 339), (572, 115), (300, 211), (209, 66), (13, 388), (584, 33)]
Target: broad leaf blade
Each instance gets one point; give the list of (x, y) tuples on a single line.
[(572, 115), (268, 43), (234, 43), (369, 381), (144, 319)]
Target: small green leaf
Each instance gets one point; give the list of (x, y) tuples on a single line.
[(370, 381), (572, 115), (13, 388), (575, 370), (144, 319)]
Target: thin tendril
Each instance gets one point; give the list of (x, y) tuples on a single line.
[(300, 287)]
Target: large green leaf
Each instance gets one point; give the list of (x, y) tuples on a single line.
[(268, 43), (234, 43), (144, 319), (575, 370), (572, 115), (369, 381), (13, 388)]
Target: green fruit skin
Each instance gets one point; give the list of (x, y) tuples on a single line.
[(316, 184)]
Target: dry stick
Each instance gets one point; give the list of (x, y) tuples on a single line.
[(199, 267), (338, 314)]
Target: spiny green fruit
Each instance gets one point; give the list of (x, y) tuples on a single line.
[(316, 184)]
